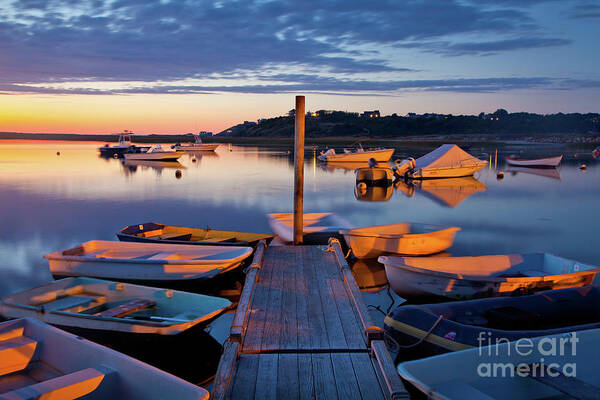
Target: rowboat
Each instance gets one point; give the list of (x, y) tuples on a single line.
[(535, 162), (357, 155), (484, 276), (146, 262), (152, 232), (447, 161), (373, 193), (369, 276), (109, 306), (462, 324), (401, 238), (155, 153), (375, 176), (549, 367), (549, 172), (38, 361), (122, 147), (317, 227), (196, 146)]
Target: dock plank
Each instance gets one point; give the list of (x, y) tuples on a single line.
[(288, 382), (266, 379)]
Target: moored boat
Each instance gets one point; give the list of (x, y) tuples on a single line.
[(535, 162), (443, 327), (447, 161), (155, 153), (101, 305), (196, 146), (549, 367), (402, 238), (484, 276), (42, 362), (152, 232), (375, 176), (153, 263), (318, 227), (357, 155), (124, 145)]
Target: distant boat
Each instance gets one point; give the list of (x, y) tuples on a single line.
[(402, 238), (318, 227), (447, 161), (484, 276), (155, 153), (500, 318), (196, 146), (517, 370), (357, 155), (152, 232), (42, 362), (146, 262), (101, 305), (375, 176), (550, 172), (122, 147), (535, 162)]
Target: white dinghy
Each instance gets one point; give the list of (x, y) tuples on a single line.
[(38, 361), (484, 276), (146, 262), (447, 161), (550, 367), (318, 227), (403, 238), (196, 146), (109, 306), (156, 153), (548, 162), (357, 155)]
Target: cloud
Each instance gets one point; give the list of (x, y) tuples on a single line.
[(486, 48), (585, 11)]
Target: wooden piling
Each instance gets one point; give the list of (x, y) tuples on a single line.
[(299, 170)]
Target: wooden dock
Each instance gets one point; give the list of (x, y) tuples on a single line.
[(302, 331)]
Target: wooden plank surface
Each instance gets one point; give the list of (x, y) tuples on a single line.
[(304, 337)]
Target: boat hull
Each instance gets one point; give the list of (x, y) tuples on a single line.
[(318, 227), (364, 156), (538, 162), (375, 176), (456, 172), (197, 147), (156, 156), (364, 246), (416, 283)]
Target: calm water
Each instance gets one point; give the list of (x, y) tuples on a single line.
[(50, 202)]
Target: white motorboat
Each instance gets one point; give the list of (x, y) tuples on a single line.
[(535, 162), (146, 262), (402, 238), (38, 361), (447, 161), (101, 305), (484, 276), (317, 227), (155, 153), (122, 147), (357, 155), (548, 367), (196, 146)]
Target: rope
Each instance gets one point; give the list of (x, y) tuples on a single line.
[(348, 254), (388, 337)]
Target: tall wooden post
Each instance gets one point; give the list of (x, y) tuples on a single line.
[(299, 170)]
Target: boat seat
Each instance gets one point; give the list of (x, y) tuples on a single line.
[(65, 387), (16, 353), (534, 272), (127, 308), (68, 302)]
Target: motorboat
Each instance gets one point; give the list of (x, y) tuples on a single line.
[(196, 146), (38, 361), (152, 263), (100, 305), (124, 145), (484, 276), (447, 161), (535, 162), (356, 155), (155, 153), (151, 232)]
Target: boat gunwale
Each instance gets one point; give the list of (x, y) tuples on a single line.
[(398, 235)]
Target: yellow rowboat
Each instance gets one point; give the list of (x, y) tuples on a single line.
[(359, 155), (38, 361), (402, 238), (107, 306), (152, 232)]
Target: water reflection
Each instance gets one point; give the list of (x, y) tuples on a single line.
[(373, 193), (131, 166), (551, 173), (447, 192)]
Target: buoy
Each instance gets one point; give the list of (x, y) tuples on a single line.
[(500, 175), (582, 166), (178, 174), (58, 153), (362, 187), (194, 159), (115, 155)]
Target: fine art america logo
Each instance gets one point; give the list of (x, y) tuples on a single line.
[(531, 354)]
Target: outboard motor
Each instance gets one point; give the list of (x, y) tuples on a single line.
[(372, 163), (405, 166)]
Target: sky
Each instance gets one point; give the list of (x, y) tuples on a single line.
[(178, 66)]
